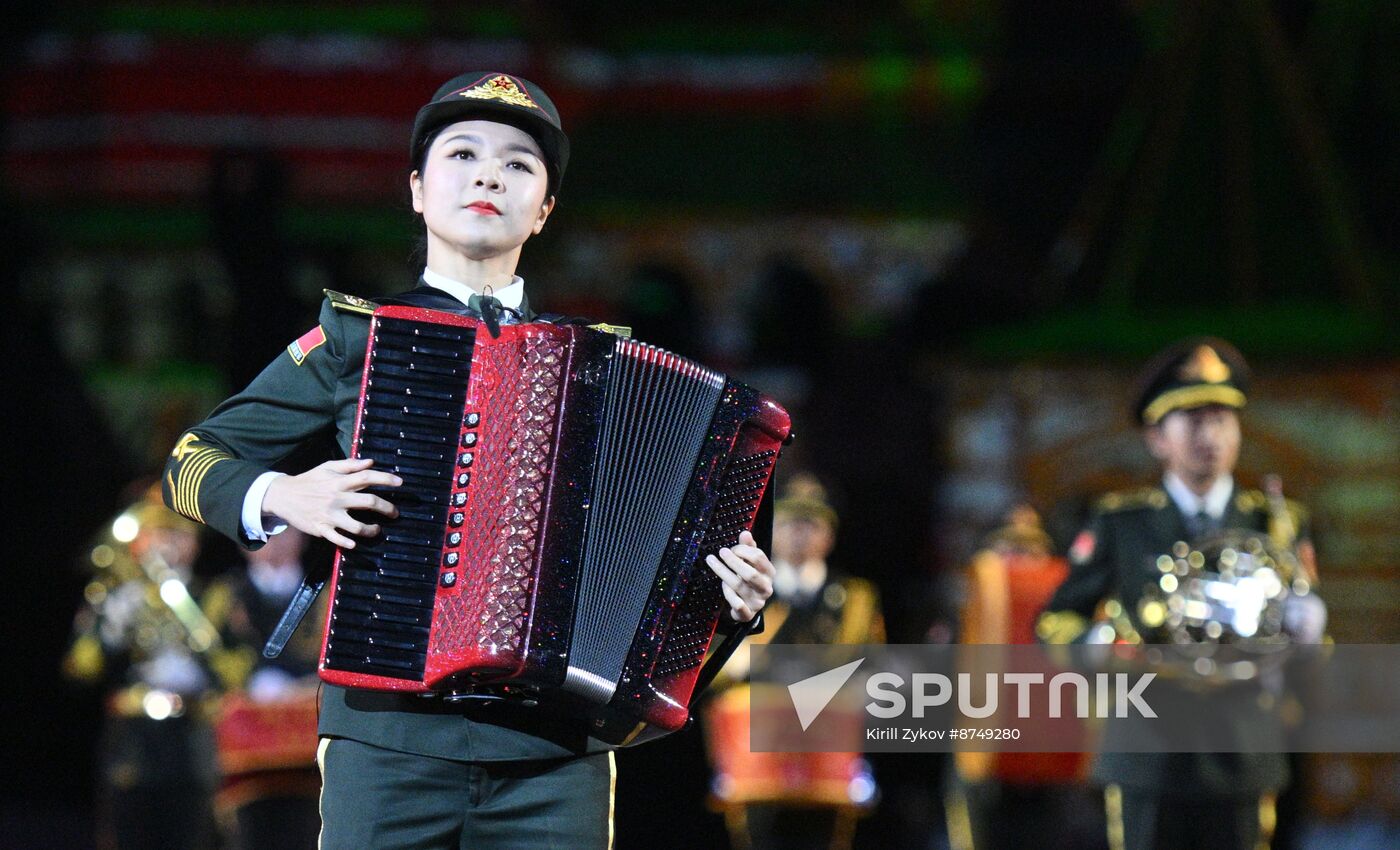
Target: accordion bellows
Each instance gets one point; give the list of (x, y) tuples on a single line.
[(561, 488)]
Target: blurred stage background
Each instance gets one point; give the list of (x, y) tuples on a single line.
[(946, 232)]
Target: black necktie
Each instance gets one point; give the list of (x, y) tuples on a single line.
[(492, 311), (1202, 524)]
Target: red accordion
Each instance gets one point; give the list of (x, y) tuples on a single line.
[(561, 489)]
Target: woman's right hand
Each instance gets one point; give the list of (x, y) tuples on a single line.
[(319, 500)]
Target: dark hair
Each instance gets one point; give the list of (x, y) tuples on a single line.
[(418, 257)]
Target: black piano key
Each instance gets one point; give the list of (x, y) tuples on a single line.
[(409, 327), (382, 640), (423, 370), (395, 431), (366, 612)]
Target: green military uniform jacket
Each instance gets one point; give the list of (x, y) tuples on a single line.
[(311, 389), (1115, 559)]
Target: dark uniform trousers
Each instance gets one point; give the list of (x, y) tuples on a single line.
[(1147, 820), (1166, 800), (441, 804), (158, 782)]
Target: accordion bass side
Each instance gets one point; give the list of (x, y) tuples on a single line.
[(561, 489)]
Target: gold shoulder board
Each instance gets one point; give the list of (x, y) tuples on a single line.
[(1251, 500), (1258, 500), (621, 330), (1127, 500), (349, 303)]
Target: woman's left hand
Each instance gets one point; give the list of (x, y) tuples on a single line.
[(746, 575)]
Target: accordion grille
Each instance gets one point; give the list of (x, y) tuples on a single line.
[(658, 411), (693, 626), (521, 384)]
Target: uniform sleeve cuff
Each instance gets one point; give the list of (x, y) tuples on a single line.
[(257, 525)]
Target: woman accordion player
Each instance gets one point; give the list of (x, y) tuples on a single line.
[(488, 152)]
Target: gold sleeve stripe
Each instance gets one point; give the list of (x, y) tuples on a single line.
[(177, 493), (190, 483), (188, 463), (188, 469), (192, 471), (205, 463)]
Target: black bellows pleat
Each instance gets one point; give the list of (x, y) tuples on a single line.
[(658, 411)]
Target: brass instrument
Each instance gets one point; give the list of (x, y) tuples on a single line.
[(136, 602), (1228, 589), (1217, 611)]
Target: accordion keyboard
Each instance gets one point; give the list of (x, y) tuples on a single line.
[(411, 417)]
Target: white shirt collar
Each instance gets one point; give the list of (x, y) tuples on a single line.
[(1214, 503), (793, 584), (511, 295)]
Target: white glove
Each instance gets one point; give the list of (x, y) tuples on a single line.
[(1305, 618)]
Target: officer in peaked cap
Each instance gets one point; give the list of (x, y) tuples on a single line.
[(1190, 374), (1187, 401), (488, 153)]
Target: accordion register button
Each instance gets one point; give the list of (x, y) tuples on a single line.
[(459, 500), (463, 479), (469, 439), (451, 559), (454, 539), (456, 519), (473, 419), (466, 459), (449, 579)]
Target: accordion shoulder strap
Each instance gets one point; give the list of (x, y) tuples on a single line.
[(301, 602)]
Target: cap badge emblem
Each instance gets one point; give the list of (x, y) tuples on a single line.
[(1204, 365), (500, 88)]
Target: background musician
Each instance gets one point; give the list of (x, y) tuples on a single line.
[(1188, 401), (156, 754), (488, 152), (266, 725), (807, 801), (998, 800)]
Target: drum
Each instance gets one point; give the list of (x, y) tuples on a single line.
[(261, 736), (743, 777)]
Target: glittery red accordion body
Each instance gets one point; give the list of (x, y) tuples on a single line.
[(561, 488)]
